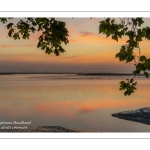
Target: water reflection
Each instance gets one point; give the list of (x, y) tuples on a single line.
[(85, 103)]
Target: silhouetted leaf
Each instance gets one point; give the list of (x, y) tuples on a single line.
[(146, 74), (142, 58)]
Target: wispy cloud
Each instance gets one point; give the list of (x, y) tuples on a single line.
[(7, 45), (85, 33), (70, 57), (73, 41), (28, 45), (16, 45), (86, 110)]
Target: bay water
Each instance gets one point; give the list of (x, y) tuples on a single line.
[(71, 101)]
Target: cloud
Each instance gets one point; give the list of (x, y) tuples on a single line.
[(85, 33), (16, 45), (90, 38), (28, 45), (72, 40), (85, 110), (7, 45), (70, 57)]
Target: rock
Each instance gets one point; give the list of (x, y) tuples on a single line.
[(141, 115)]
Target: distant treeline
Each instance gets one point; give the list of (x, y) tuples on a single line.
[(107, 74)]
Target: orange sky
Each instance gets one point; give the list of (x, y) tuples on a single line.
[(87, 51)]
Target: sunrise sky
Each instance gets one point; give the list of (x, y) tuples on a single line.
[(87, 51)]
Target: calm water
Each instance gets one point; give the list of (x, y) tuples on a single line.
[(85, 102)]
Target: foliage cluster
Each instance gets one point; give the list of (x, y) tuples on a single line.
[(133, 30), (53, 32)]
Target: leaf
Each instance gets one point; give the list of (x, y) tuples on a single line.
[(16, 36), (3, 20), (147, 64), (125, 93), (48, 50), (56, 52), (139, 66), (131, 80), (140, 21), (142, 58), (146, 74), (115, 37), (108, 19), (11, 31), (112, 21), (9, 25)]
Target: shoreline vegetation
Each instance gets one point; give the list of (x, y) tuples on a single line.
[(43, 129), (84, 74)]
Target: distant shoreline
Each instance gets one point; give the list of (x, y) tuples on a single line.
[(84, 74)]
